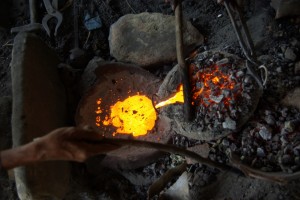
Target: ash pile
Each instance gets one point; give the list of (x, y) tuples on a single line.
[(223, 94)]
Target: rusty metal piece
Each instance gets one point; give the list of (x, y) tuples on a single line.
[(33, 26), (184, 69)]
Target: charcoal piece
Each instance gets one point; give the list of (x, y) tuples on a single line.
[(229, 124)]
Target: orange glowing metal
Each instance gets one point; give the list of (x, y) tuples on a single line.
[(177, 98), (135, 115)]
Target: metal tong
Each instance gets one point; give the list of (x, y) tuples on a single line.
[(245, 41), (52, 12)]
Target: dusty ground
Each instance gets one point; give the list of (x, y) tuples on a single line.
[(212, 21)]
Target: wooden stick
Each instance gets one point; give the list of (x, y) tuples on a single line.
[(161, 147), (183, 68)]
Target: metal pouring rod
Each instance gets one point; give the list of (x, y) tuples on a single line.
[(183, 68)]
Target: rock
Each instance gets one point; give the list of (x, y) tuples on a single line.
[(148, 39), (289, 126), (289, 54), (229, 124), (39, 106), (265, 133), (260, 152), (292, 98), (179, 190), (286, 8), (270, 119), (5, 123)]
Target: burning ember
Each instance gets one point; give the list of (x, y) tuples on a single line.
[(210, 84), (224, 96)]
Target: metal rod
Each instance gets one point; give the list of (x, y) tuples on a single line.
[(183, 68)]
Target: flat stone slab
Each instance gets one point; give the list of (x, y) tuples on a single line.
[(39, 106), (148, 39)]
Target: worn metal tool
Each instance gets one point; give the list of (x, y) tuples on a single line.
[(52, 12), (33, 26), (245, 41)]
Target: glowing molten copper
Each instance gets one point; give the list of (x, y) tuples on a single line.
[(176, 98), (135, 115)]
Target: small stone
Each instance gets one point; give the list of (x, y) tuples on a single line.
[(289, 54), (260, 152), (229, 124), (289, 126), (270, 119), (294, 42), (216, 99), (265, 133), (239, 74), (225, 142), (292, 98), (279, 69)]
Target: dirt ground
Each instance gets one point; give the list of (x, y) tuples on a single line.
[(210, 19)]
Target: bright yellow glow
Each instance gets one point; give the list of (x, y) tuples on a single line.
[(135, 115), (177, 98)]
